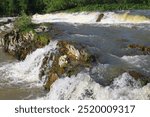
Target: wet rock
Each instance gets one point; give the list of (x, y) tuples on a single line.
[(69, 59), (42, 28), (135, 75), (139, 77), (141, 48), (52, 78), (100, 16), (47, 28), (19, 44)]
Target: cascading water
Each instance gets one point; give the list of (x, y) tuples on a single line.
[(107, 39)]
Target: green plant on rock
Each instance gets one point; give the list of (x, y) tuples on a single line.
[(23, 23), (43, 39)]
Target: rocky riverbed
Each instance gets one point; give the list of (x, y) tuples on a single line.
[(77, 60)]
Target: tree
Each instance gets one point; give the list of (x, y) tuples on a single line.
[(20, 6), (6, 7), (36, 6)]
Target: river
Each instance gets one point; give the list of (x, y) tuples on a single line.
[(108, 40)]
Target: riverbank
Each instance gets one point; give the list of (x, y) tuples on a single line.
[(109, 7), (58, 7)]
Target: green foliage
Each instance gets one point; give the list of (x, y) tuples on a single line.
[(15, 7), (23, 23), (55, 5), (36, 6), (90, 5), (21, 6), (108, 7), (6, 7), (44, 39)]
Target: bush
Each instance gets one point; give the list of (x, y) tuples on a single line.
[(23, 23), (56, 5)]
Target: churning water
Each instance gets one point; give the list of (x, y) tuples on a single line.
[(108, 40)]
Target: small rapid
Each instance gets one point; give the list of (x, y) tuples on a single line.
[(91, 17), (82, 87), (24, 75), (131, 19)]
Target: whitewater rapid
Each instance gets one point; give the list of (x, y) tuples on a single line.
[(91, 17), (27, 70), (131, 19), (107, 39), (80, 87)]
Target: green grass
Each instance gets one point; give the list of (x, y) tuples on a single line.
[(109, 7)]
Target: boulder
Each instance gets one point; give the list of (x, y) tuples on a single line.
[(19, 44), (41, 28), (144, 80), (100, 16), (69, 59)]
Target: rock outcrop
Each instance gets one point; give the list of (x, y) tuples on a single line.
[(141, 48), (143, 79), (19, 44), (99, 18), (69, 59)]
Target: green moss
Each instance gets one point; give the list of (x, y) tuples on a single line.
[(44, 39)]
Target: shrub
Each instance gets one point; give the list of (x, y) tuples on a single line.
[(23, 23)]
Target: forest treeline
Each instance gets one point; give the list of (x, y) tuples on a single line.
[(15, 7)]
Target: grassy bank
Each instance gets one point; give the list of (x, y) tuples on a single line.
[(110, 7)]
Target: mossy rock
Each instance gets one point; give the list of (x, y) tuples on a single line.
[(144, 80), (51, 79), (69, 59), (43, 39), (141, 48)]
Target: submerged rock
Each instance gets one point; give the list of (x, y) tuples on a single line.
[(144, 80), (69, 59), (141, 48), (41, 28)]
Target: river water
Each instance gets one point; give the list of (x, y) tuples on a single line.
[(108, 40)]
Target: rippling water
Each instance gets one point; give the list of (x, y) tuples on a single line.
[(108, 40)]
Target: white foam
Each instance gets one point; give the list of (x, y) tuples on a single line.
[(6, 27), (28, 70), (83, 87), (82, 17), (109, 19), (5, 19), (90, 18), (140, 61)]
